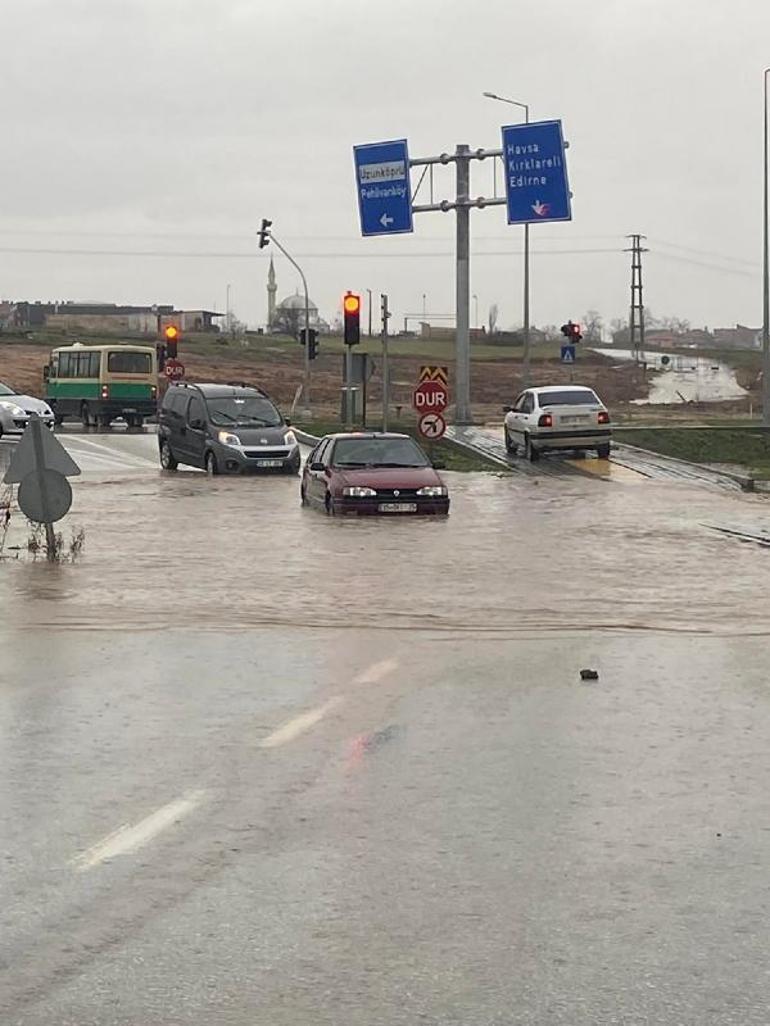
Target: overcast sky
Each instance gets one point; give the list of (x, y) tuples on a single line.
[(136, 127)]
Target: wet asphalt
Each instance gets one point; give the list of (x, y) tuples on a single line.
[(261, 766)]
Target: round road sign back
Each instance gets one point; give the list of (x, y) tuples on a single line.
[(58, 496), (432, 425)]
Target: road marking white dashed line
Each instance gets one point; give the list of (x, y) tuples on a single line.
[(299, 725), (376, 671), (130, 838)]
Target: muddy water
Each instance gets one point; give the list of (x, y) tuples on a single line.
[(515, 555), (684, 378)]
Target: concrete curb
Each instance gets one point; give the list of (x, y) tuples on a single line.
[(744, 481)]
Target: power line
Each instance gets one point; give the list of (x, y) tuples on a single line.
[(214, 255)]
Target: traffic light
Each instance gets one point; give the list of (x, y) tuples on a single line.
[(572, 332), (264, 233), (309, 336), (351, 308), (171, 335)]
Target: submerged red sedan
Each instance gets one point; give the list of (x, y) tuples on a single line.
[(372, 473)]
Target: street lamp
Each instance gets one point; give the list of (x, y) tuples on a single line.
[(525, 108), (765, 272), (475, 310), (369, 293)]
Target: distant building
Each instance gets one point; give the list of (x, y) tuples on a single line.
[(104, 318), (739, 337)]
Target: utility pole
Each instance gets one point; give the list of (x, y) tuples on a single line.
[(385, 368), (636, 318), (369, 293)]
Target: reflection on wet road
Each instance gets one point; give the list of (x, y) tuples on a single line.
[(261, 766)]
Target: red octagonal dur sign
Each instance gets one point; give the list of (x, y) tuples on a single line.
[(430, 397)]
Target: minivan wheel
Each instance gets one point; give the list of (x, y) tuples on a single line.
[(167, 459), (212, 467), (510, 445)]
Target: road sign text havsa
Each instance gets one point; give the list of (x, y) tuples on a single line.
[(382, 187), (536, 183)]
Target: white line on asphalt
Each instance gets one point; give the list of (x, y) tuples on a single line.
[(376, 671), (299, 725), (133, 459), (127, 838)]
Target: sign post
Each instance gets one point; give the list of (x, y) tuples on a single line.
[(536, 185), (40, 466), (382, 184), (430, 400)]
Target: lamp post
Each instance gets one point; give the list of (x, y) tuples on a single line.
[(475, 310), (526, 367), (369, 293), (765, 268)]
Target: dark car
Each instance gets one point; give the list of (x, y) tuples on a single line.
[(372, 473), (224, 429)]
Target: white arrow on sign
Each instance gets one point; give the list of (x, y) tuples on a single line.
[(385, 220), (541, 209)]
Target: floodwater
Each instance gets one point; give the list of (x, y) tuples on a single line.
[(516, 554), (684, 378)]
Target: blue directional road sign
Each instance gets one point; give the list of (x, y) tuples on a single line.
[(567, 354), (382, 184), (536, 184)]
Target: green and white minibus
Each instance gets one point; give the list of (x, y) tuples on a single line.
[(97, 384)]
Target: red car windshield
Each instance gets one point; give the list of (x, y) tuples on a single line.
[(378, 452)]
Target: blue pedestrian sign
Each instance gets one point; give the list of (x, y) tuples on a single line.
[(567, 354), (536, 185), (382, 185)]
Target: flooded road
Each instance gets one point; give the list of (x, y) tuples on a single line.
[(516, 553), (684, 378), (261, 766)]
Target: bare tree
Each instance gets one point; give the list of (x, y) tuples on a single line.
[(676, 325), (619, 329), (493, 315), (593, 326)]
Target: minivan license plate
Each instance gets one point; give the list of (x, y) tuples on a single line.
[(398, 507), (269, 463)]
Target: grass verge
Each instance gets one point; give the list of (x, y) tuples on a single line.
[(745, 447)]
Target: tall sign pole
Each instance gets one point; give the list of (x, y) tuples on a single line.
[(463, 286), (536, 190), (765, 270)]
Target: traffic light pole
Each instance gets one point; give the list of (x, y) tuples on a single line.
[(293, 262), (385, 366), (462, 205)]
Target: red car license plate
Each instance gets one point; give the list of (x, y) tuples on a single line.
[(398, 507)]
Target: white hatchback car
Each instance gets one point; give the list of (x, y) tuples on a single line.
[(15, 409), (557, 417)]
